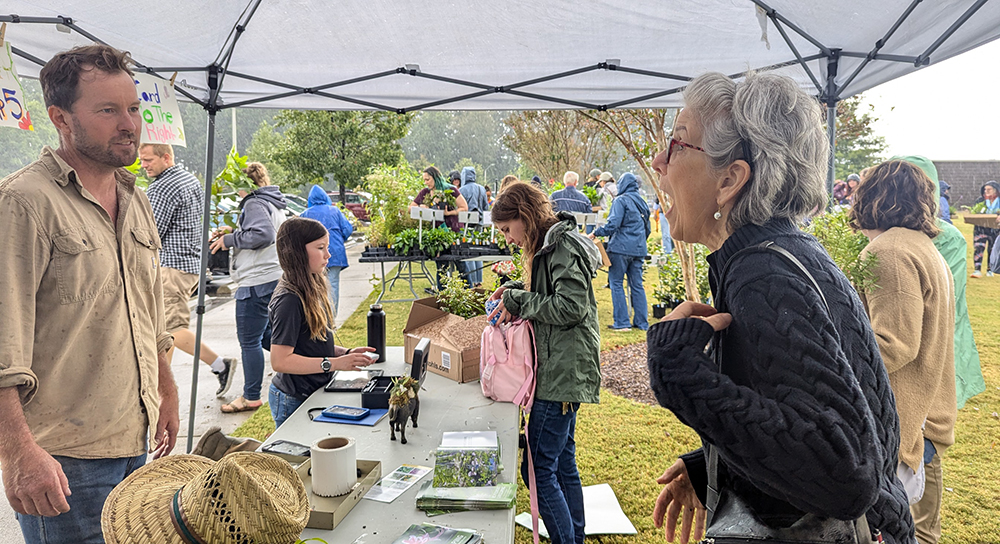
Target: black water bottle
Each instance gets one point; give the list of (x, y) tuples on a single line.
[(376, 330)]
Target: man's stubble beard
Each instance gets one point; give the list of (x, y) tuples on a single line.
[(105, 154)]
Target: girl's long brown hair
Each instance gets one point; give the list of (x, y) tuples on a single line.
[(527, 203), (312, 289)]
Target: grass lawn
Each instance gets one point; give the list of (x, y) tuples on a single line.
[(628, 444)]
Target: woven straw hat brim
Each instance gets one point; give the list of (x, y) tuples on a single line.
[(138, 509)]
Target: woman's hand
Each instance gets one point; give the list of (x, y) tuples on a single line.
[(706, 313), (497, 294), (218, 244), (501, 310), (679, 499), (355, 359)]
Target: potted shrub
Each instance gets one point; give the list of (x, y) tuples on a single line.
[(669, 292)]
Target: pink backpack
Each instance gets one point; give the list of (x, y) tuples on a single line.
[(507, 363), (507, 358)]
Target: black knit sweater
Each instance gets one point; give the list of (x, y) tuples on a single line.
[(795, 431)]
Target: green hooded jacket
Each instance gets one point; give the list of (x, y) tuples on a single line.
[(953, 247), (563, 311)]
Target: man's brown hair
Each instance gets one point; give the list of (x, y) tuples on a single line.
[(159, 149), (60, 77), (895, 194)]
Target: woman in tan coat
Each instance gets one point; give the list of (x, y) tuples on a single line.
[(912, 312)]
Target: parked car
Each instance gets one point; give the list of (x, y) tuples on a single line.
[(357, 203)]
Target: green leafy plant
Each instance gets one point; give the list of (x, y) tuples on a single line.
[(458, 299), (139, 172), (444, 200), (392, 189), (437, 240), (844, 244), (670, 289), (406, 240), (978, 207), (228, 183), (591, 193)]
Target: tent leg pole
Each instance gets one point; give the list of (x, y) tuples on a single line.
[(831, 132), (202, 277)]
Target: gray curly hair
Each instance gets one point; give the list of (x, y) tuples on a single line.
[(781, 126)]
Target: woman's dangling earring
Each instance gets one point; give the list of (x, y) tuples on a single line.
[(718, 214)]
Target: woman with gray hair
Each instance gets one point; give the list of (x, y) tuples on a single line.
[(792, 401)]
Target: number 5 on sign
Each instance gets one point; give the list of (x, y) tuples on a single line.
[(13, 113)]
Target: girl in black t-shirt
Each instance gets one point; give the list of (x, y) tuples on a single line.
[(302, 350)]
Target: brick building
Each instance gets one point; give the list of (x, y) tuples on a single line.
[(966, 177)]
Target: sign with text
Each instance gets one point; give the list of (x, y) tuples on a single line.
[(13, 110), (161, 118)]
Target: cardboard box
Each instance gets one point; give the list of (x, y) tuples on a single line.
[(327, 512), (445, 358), (988, 220)]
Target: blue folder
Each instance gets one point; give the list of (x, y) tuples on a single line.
[(373, 417)]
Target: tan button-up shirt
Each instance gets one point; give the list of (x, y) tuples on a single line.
[(81, 311)]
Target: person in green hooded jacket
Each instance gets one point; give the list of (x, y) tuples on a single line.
[(557, 297)]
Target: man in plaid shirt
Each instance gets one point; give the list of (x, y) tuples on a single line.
[(176, 197)]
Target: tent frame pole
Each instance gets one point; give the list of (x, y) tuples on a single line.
[(831, 98), (213, 82)]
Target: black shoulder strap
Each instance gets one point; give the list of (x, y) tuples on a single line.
[(713, 493)]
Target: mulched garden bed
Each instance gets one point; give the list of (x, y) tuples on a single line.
[(624, 373)]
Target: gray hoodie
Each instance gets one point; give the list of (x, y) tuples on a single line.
[(254, 259)]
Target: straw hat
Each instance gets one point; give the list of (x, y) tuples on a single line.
[(188, 499)]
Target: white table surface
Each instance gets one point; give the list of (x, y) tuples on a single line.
[(445, 405)]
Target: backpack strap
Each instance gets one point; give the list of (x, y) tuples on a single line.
[(713, 493), (526, 395), (532, 488)]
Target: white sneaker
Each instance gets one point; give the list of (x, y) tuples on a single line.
[(989, 273)]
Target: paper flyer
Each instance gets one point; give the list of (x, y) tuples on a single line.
[(396, 483)]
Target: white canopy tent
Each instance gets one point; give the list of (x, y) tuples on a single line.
[(496, 55)]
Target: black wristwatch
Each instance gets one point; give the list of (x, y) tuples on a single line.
[(325, 365)]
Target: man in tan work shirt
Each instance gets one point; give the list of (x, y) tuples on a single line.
[(83, 372)]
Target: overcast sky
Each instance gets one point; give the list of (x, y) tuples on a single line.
[(946, 111)]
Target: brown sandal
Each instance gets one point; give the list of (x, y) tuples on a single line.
[(240, 405)]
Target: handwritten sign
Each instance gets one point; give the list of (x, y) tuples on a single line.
[(160, 115), (13, 111)]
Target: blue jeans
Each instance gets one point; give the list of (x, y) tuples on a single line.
[(254, 332), (474, 271), (557, 482), (282, 405), (632, 266), (91, 481), (333, 274), (668, 242)]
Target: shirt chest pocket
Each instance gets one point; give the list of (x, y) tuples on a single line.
[(144, 258), (85, 265)]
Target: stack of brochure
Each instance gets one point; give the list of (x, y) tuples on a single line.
[(467, 459), (428, 533), (442, 500)]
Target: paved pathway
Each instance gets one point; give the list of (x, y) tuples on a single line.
[(219, 333)]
